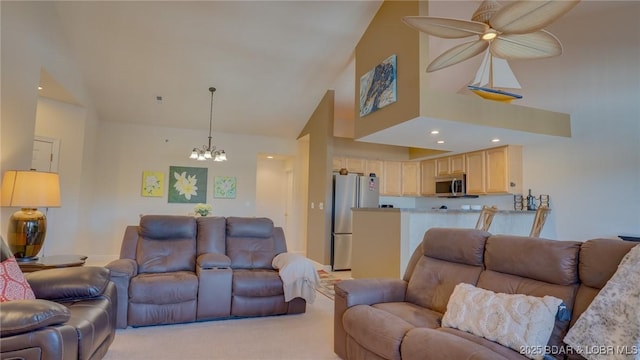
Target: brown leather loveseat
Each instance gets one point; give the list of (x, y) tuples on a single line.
[(177, 269), (72, 318), (402, 318)]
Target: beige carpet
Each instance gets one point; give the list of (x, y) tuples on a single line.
[(303, 336)]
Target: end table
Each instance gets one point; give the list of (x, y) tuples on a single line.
[(51, 262)]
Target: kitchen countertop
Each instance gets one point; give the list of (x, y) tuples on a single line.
[(442, 211)]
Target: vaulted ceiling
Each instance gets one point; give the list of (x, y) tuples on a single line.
[(152, 62)]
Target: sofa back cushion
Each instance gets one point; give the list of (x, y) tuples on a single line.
[(252, 243), (533, 266), (211, 235), (450, 256), (599, 260), (166, 243)]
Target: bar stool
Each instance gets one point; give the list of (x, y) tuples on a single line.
[(539, 220), (486, 217)]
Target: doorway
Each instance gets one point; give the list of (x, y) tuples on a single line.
[(274, 193)]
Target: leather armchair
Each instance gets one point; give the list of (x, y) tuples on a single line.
[(72, 317)]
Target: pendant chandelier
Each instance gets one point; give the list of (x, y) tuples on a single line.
[(209, 152)]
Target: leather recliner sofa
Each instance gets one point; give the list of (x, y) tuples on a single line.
[(402, 318), (177, 269), (72, 318)]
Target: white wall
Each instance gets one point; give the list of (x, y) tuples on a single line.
[(126, 150), (66, 123)]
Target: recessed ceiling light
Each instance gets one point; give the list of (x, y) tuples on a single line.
[(269, 157), (39, 87), (440, 141), (434, 132), (495, 140)]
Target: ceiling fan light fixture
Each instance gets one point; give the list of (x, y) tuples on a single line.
[(489, 35), (208, 152)]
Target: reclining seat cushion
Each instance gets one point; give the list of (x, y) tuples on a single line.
[(166, 243), (250, 243), (451, 256)]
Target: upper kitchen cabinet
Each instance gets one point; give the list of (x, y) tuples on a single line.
[(450, 165), (428, 177), (353, 165), (374, 167), (475, 169), (392, 175), (338, 163), (504, 170), (411, 178)]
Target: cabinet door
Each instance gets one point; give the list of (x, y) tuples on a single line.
[(392, 173), (497, 170), (442, 166), (456, 164), (355, 165), (475, 169), (338, 163), (373, 167), (410, 178), (428, 177)]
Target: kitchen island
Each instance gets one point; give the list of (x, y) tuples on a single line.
[(384, 238)]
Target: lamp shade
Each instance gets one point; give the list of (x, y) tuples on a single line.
[(30, 189)]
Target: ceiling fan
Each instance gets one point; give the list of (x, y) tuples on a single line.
[(513, 31)]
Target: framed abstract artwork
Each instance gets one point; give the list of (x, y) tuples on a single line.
[(152, 183), (224, 187), (187, 184), (378, 87)]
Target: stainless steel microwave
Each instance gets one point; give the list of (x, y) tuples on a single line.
[(451, 185)]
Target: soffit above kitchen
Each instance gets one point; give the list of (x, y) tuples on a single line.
[(465, 121)]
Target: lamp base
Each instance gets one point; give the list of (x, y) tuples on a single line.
[(26, 233)]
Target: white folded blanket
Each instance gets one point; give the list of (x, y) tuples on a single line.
[(299, 276), (610, 327)]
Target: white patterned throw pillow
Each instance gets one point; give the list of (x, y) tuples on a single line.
[(521, 322)]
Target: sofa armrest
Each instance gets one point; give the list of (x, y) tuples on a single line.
[(69, 283), (361, 292), (21, 316), (122, 270), (371, 291), (213, 261)]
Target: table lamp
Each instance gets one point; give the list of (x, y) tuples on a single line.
[(28, 190)]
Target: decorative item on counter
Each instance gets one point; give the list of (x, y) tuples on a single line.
[(518, 202), (531, 202), (202, 209), (544, 200)]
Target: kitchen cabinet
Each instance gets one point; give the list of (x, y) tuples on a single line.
[(428, 177), (338, 163), (353, 165), (475, 169), (373, 167), (392, 175), (449, 165), (504, 170), (410, 178)]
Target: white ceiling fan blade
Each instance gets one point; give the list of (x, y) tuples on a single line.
[(540, 44), (521, 17), (457, 54), (445, 27)]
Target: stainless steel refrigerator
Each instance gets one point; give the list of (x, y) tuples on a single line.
[(349, 191)]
